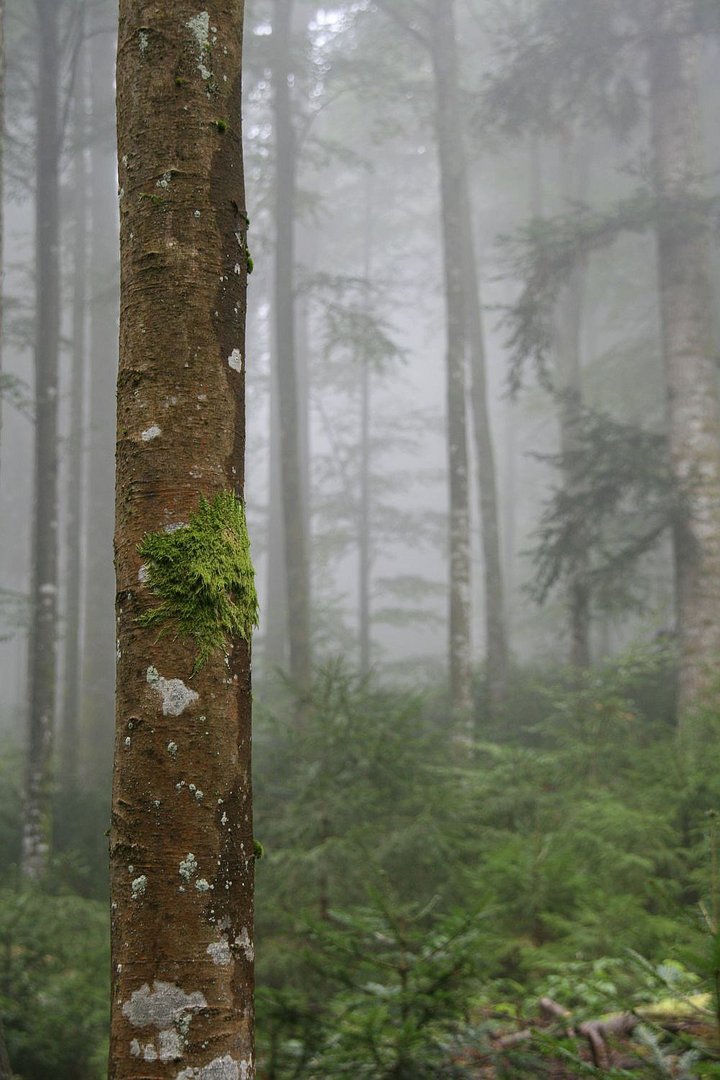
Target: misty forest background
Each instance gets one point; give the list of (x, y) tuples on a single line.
[(485, 771)]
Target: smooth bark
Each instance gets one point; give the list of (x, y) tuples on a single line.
[(297, 572), (42, 647), (685, 299), (182, 853)]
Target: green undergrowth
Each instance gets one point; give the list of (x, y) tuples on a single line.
[(204, 577)]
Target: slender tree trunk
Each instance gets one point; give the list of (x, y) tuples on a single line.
[(567, 335), (694, 416), (294, 518), (450, 159), (2, 200), (364, 538), (42, 650), (99, 646), (182, 845), (6, 1072), (495, 632), (275, 620), (75, 503)]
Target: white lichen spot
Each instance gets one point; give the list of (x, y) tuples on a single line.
[(238, 268), (124, 161), (172, 748), (199, 795), (188, 866), (175, 694), (144, 40), (128, 740), (220, 952), (151, 433), (143, 575), (196, 214), (135, 1048), (224, 819), (170, 1045), (139, 887), (243, 942), (164, 181), (199, 27), (150, 1053), (202, 885), (235, 360), (224, 1068), (174, 527), (161, 1006)]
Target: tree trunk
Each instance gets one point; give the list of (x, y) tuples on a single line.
[(75, 524), (450, 158), (6, 1072), (365, 511), (694, 417), (42, 646), (294, 519), (99, 648), (182, 853), (2, 199), (568, 381)]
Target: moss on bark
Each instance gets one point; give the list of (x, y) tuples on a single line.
[(203, 574)]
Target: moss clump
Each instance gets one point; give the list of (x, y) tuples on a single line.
[(204, 577)]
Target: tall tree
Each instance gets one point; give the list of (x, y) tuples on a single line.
[(99, 648), (297, 573), (75, 519), (182, 852), (42, 647), (687, 341)]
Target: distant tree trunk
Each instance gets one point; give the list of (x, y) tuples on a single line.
[(182, 853), (365, 512), (568, 380), (6, 1072), (42, 647), (694, 417), (75, 523), (99, 647), (2, 199), (452, 179), (275, 619), (296, 541)]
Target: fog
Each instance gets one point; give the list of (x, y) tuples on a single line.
[(482, 485)]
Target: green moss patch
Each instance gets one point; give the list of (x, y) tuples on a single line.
[(204, 577)]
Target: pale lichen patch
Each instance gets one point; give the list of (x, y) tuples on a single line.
[(202, 885), (175, 694), (161, 1006), (151, 433), (235, 360), (220, 952), (139, 887), (224, 1068), (243, 942), (199, 27), (188, 866)]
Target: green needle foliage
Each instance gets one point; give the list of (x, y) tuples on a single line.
[(204, 577)]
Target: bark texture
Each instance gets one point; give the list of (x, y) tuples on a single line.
[(297, 572), (182, 854), (42, 645), (685, 305)]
